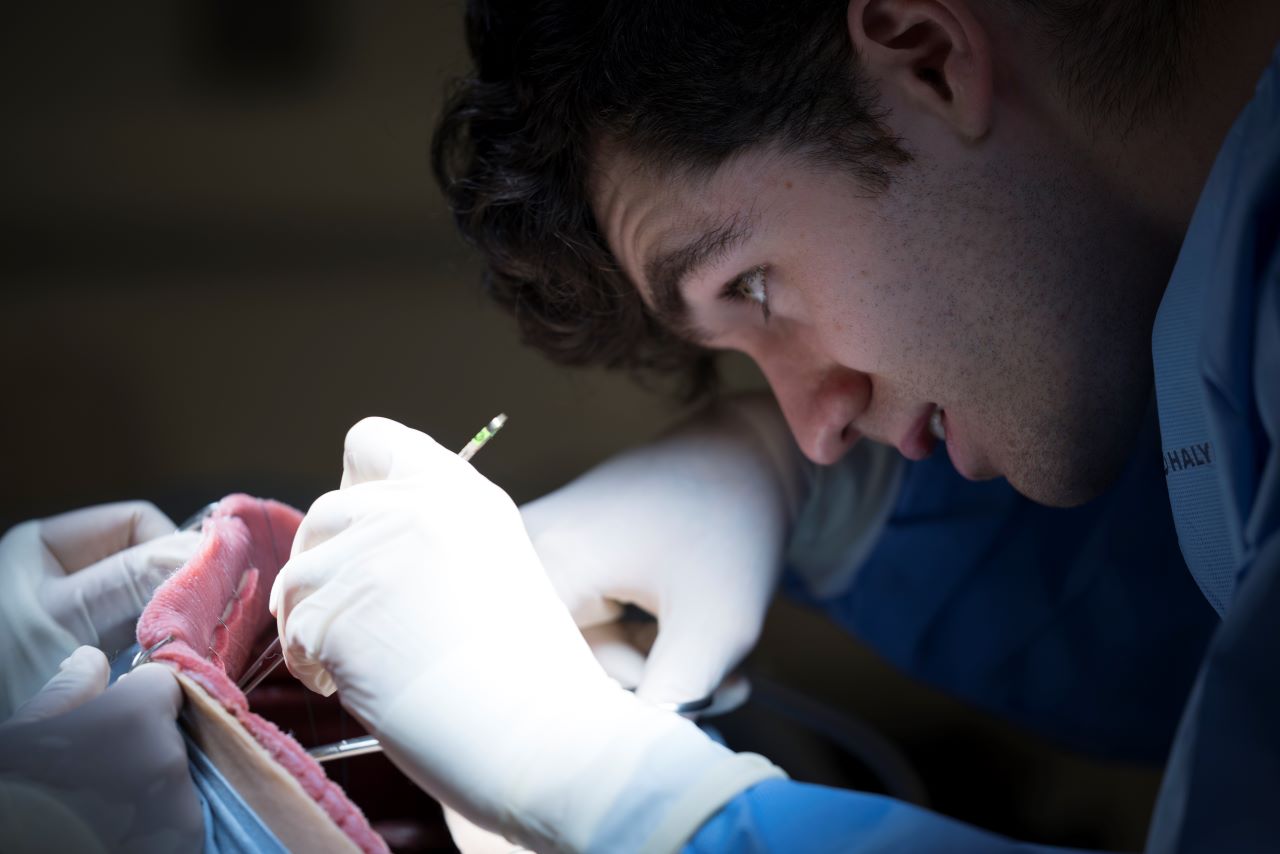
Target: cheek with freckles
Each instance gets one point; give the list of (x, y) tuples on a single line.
[(879, 325)]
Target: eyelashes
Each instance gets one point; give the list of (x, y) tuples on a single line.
[(751, 286)]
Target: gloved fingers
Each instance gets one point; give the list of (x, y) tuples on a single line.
[(317, 588), (140, 711), (116, 758), (376, 450), (151, 686), (689, 659), (307, 595), (579, 581), (588, 609), (100, 603), (82, 676), (382, 449), (407, 466), (339, 509), (83, 537), (612, 645), (328, 515)]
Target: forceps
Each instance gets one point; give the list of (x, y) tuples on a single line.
[(366, 744), (196, 519)]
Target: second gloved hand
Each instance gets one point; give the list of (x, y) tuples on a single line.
[(689, 528), (415, 593), (78, 578), (84, 767)]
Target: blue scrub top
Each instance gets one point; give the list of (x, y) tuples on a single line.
[(1082, 625), (1217, 355)]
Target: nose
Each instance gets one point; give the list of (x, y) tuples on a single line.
[(820, 403)]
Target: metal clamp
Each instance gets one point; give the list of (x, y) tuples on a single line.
[(144, 655), (689, 707), (345, 748)]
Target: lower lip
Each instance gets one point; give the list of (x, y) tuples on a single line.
[(920, 441), (955, 450)]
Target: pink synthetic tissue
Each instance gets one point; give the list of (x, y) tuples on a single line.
[(215, 608)]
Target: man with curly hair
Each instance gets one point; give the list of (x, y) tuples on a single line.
[(989, 226)]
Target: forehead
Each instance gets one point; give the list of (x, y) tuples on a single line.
[(643, 208)]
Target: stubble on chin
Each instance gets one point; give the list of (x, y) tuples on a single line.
[(1073, 463)]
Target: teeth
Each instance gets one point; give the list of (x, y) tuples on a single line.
[(935, 425)]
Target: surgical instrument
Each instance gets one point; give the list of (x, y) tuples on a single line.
[(144, 655), (347, 747), (196, 519), (480, 439), (366, 744)]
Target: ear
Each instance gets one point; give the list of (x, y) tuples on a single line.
[(935, 53)]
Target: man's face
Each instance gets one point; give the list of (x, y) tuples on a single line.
[(997, 288)]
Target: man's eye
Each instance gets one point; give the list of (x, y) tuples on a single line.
[(750, 286)]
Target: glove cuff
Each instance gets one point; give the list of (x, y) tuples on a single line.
[(721, 783), (567, 767), (625, 776)]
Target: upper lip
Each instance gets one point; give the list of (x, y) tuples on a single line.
[(918, 441)]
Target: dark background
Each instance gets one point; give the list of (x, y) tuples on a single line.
[(220, 246)]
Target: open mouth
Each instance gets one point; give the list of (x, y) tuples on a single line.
[(938, 424)]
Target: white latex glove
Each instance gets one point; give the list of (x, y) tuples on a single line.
[(415, 592), (86, 765), (690, 528), (79, 578), (620, 648)]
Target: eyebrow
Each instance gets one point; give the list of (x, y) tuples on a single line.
[(668, 271)]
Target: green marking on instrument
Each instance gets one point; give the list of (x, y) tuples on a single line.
[(486, 433)]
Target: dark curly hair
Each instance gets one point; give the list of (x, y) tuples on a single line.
[(686, 83)]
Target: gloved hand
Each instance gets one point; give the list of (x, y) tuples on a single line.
[(414, 591), (691, 529), (86, 765), (620, 648), (79, 578)]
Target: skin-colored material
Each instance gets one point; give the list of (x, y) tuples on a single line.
[(214, 608), (272, 792)]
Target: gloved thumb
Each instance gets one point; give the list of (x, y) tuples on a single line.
[(82, 676), (616, 651), (152, 687), (100, 603), (689, 658), (382, 449)]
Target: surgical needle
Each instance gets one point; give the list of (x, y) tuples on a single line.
[(271, 657)]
